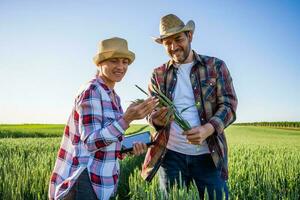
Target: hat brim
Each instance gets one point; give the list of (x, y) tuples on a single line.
[(114, 54), (190, 26)]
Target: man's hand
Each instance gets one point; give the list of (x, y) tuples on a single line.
[(198, 134), (140, 110), (160, 116)]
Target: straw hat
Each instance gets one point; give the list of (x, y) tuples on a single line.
[(113, 48), (171, 25)]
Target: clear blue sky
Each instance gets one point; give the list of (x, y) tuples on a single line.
[(46, 50)]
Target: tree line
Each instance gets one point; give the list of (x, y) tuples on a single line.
[(283, 124)]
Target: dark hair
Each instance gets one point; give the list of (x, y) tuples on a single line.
[(186, 33)]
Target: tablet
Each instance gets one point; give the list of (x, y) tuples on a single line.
[(129, 140)]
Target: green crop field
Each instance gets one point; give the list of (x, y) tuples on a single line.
[(264, 163)]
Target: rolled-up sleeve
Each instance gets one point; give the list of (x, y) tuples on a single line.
[(226, 100), (153, 83)]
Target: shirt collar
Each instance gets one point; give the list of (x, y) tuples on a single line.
[(102, 83)]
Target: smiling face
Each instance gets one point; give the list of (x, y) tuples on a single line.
[(113, 70), (178, 46)]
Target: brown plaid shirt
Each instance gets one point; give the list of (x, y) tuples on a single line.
[(214, 92)]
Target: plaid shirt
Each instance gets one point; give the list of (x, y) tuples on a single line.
[(214, 92), (92, 139)]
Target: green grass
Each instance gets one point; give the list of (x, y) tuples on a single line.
[(47, 130), (255, 173), (26, 164), (262, 136), (264, 163), (31, 130)]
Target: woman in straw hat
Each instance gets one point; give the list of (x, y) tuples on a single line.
[(87, 166)]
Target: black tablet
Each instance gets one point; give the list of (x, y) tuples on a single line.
[(129, 140)]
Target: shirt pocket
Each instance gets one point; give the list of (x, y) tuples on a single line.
[(209, 89)]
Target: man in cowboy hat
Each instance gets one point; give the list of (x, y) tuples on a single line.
[(87, 165), (204, 84)]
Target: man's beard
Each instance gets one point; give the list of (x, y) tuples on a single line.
[(185, 55)]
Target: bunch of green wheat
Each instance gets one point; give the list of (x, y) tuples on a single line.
[(172, 111)]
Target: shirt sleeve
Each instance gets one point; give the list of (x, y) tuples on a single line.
[(153, 82), (92, 132), (226, 100)]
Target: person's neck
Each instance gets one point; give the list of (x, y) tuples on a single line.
[(190, 58), (110, 84)]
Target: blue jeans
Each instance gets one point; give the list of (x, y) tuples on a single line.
[(82, 189), (199, 168)]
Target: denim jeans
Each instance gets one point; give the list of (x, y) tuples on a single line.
[(199, 168), (82, 189)]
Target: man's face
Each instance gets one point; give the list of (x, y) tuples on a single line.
[(178, 46), (114, 69)]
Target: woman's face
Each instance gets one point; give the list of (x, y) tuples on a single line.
[(113, 70)]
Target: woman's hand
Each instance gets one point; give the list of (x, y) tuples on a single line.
[(139, 148), (140, 110)]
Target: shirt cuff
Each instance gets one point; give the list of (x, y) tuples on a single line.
[(156, 127), (217, 124), (118, 128), (123, 123)]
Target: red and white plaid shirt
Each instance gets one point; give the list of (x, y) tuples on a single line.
[(92, 139)]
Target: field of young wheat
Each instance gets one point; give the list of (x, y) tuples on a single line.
[(264, 163)]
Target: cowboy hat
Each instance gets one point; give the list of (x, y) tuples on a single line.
[(113, 48), (171, 25)]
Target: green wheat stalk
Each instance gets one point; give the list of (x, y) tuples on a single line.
[(165, 101)]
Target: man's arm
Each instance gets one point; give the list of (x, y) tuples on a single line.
[(225, 114), (226, 100), (158, 118)]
